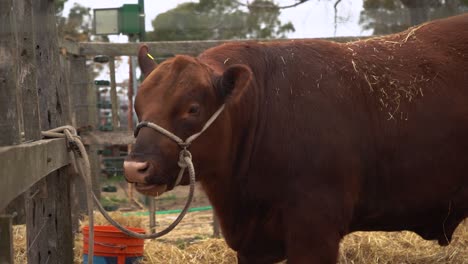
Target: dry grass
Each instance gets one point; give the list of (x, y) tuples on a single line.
[(19, 243), (403, 247), (210, 251), (191, 242)]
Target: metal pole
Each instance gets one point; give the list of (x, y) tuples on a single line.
[(113, 95), (152, 214), (141, 3)]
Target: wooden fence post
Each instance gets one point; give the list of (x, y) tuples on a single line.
[(27, 74), (49, 230), (6, 240), (9, 119), (91, 100), (79, 88), (94, 158), (28, 107), (83, 98), (79, 91)]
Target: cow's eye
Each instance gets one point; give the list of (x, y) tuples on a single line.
[(194, 109)]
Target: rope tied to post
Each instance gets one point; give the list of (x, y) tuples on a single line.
[(80, 162)]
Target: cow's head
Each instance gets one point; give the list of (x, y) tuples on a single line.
[(180, 95)]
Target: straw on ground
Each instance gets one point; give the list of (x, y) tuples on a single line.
[(191, 242)]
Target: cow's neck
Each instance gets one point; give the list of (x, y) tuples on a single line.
[(226, 187)]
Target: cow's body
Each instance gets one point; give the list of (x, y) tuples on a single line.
[(331, 138)]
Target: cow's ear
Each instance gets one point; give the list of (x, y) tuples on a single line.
[(234, 81), (146, 62)]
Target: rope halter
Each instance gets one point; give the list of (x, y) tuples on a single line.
[(184, 145), (185, 161)]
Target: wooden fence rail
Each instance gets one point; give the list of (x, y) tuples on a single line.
[(43, 157), (160, 48)]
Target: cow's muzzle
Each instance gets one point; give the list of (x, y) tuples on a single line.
[(140, 173)]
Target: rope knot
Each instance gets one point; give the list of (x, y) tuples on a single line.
[(73, 146), (182, 162), (184, 145)]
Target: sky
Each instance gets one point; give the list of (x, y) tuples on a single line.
[(312, 19)]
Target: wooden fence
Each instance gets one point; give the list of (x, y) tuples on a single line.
[(34, 97)]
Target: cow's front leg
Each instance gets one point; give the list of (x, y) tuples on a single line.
[(243, 258), (311, 238)]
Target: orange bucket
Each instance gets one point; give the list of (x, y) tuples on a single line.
[(113, 246)]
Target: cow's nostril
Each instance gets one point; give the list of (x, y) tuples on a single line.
[(143, 167), (138, 166), (136, 171)]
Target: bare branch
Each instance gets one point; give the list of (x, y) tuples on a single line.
[(336, 15), (270, 6), (336, 4)]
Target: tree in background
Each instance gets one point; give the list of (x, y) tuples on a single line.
[(220, 19), (59, 4), (389, 16), (263, 21), (77, 26)]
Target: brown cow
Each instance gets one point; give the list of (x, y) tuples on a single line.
[(317, 139)]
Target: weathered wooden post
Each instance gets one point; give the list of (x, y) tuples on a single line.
[(80, 115), (9, 120), (49, 230), (83, 101), (28, 108), (79, 82), (6, 239), (77, 193)]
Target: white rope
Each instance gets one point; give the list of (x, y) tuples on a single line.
[(175, 138), (208, 123)]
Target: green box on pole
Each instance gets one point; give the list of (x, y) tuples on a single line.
[(129, 15), (128, 19)]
